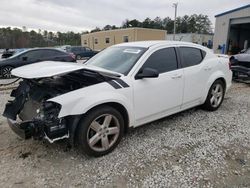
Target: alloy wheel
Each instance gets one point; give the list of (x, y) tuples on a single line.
[(103, 132), (78, 57), (6, 72), (216, 95)]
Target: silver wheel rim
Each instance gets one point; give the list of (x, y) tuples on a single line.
[(6, 72), (78, 57), (216, 95), (103, 132)]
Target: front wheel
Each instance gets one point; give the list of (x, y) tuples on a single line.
[(78, 57), (100, 131), (215, 96), (6, 72)]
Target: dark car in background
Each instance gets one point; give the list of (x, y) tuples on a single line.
[(81, 52), (32, 56), (7, 53), (240, 65)]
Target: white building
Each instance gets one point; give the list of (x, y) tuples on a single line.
[(202, 39), (232, 30)]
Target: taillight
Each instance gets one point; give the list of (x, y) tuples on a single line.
[(72, 55)]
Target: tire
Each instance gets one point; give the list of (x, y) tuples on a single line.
[(78, 57), (97, 138), (215, 96), (6, 72)]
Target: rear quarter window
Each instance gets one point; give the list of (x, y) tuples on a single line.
[(203, 54), (191, 56)]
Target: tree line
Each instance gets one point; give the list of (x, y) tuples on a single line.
[(21, 38), (186, 24)]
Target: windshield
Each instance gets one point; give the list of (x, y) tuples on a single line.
[(118, 59)]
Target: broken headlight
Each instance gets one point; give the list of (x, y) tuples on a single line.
[(54, 127)]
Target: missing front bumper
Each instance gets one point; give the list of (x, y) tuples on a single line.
[(24, 130), (29, 116)]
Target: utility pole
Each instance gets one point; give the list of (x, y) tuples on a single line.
[(175, 5)]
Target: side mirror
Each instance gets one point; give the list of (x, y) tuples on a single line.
[(24, 58), (147, 73)]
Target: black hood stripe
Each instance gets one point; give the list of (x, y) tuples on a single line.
[(118, 83), (122, 83), (114, 84)]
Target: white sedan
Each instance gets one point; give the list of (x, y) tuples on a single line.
[(126, 85)]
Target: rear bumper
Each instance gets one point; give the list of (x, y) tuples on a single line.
[(24, 130)]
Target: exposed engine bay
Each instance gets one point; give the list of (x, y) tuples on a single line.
[(31, 115)]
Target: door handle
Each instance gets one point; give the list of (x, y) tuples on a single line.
[(176, 76), (207, 68)]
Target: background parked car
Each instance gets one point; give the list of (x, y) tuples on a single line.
[(81, 52), (64, 48), (32, 56), (242, 59), (7, 53), (240, 65)]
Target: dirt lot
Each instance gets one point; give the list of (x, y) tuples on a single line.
[(191, 149)]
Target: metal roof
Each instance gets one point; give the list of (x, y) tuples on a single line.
[(234, 10)]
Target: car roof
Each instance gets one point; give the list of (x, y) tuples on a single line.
[(44, 49), (48, 48), (148, 44), (34, 49), (75, 46)]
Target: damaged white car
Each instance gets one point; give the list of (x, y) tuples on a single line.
[(126, 85)]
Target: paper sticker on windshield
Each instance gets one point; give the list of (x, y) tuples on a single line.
[(132, 51)]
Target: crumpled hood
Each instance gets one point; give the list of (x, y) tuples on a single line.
[(52, 68)]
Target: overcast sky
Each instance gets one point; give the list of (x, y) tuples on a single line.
[(80, 15)]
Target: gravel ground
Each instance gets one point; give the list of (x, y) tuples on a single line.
[(190, 149)]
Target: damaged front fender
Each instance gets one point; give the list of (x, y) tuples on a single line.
[(14, 107)]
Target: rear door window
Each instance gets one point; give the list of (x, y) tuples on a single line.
[(191, 56), (48, 53), (75, 49), (82, 49), (88, 49), (52, 53)]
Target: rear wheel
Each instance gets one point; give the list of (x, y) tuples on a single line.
[(215, 96), (78, 57), (6, 72), (100, 131)]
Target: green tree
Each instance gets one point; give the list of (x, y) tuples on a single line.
[(107, 27), (157, 23), (147, 23), (95, 30), (168, 24)]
